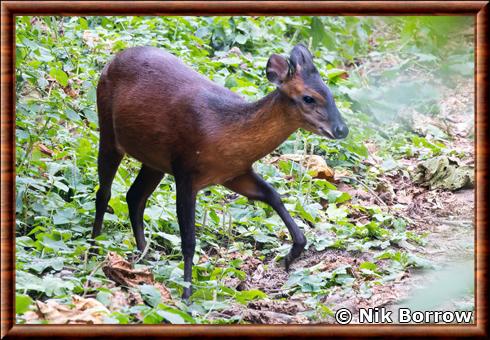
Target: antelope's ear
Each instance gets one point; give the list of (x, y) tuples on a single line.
[(301, 56), (277, 69)]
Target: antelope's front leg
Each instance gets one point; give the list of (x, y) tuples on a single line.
[(254, 187)]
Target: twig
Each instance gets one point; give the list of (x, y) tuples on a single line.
[(303, 164), (371, 191), (85, 259), (143, 254), (230, 226), (310, 182), (89, 277), (293, 38), (204, 219), (280, 292), (145, 251)]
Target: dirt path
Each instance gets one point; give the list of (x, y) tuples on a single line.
[(448, 217), (450, 248)]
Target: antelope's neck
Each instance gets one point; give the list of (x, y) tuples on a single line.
[(251, 131), (263, 126)]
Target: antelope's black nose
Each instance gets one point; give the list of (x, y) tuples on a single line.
[(341, 131)]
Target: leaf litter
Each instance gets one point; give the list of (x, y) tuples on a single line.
[(117, 269), (81, 311)]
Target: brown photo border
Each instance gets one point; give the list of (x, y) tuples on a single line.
[(10, 9)]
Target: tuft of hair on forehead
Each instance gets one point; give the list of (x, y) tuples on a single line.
[(301, 56)]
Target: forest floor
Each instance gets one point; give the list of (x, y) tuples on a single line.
[(436, 275)]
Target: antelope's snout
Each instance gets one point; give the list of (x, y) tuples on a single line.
[(340, 130)]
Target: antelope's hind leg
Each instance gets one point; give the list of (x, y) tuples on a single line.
[(108, 161), (137, 196)]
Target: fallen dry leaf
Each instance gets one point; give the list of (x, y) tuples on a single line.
[(259, 273), (134, 298), (357, 194), (341, 174), (424, 125), (44, 149), (119, 299), (83, 311), (70, 91), (315, 164), (443, 172), (120, 271), (403, 197), (382, 295)]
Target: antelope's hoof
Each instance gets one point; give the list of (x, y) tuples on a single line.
[(93, 250), (286, 263), (293, 254), (187, 294)]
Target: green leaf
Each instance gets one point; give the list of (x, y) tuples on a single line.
[(122, 319), (48, 285), (60, 76), (25, 241), (171, 317), (104, 297), (175, 240), (55, 245), (320, 35), (336, 213), (40, 265), (368, 265), (150, 295), (234, 61), (241, 39), (245, 296), (325, 310), (60, 185), (72, 115), (91, 116), (22, 303), (152, 318)]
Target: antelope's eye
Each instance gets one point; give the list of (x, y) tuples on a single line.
[(308, 100)]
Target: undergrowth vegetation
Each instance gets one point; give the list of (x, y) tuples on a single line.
[(382, 71)]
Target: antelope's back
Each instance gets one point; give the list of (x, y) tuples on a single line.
[(147, 94)]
